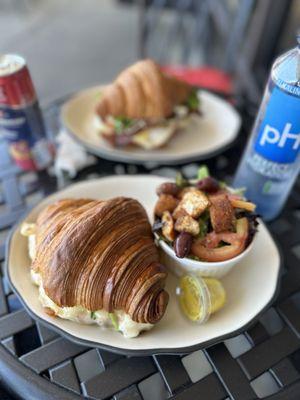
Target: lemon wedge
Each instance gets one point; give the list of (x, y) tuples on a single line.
[(200, 297)]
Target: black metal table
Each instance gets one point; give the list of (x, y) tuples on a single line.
[(262, 362)]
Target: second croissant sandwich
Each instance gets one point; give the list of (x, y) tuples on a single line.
[(96, 262), (145, 107)]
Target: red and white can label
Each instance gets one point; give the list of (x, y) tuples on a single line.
[(21, 122)]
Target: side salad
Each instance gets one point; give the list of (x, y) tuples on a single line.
[(203, 218)]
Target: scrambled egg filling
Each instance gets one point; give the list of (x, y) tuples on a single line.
[(118, 319), (153, 137)]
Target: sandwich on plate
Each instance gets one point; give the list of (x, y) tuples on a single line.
[(95, 262), (145, 107)]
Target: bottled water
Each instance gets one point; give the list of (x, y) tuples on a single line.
[(271, 161)]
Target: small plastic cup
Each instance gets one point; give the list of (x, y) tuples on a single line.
[(196, 298)]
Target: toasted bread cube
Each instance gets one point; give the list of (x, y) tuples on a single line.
[(186, 190), (166, 202), (194, 203), (221, 213), (178, 212), (168, 226), (187, 224)]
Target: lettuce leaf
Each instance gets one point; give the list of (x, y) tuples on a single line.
[(114, 320), (93, 315), (193, 102), (181, 181), (122, 123), (203, 172)]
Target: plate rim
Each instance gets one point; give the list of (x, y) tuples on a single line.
[(131, 159), (120, 350)]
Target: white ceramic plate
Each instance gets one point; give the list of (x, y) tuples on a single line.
[(215, 131), (250, 287)]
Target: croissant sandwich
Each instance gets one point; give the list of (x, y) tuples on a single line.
[(96, 262), (145, 106)]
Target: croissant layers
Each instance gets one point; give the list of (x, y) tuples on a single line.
[(101, 255), (143, 91)]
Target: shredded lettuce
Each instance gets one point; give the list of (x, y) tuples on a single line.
[(114, 321), (122, 123), (203, 228), (223, 185), (93, 315), (203, 224), (180, 180), (203, 172)]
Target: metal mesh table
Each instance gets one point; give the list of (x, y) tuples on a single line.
[(262, 362)]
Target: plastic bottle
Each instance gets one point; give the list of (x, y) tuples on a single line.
[(271, 161)]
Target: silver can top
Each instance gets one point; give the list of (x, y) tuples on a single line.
[(10, 63)]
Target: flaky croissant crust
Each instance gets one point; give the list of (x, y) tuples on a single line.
[(101, 255), (142, 91)]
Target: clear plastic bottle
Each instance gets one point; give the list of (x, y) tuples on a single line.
[(271, 161)]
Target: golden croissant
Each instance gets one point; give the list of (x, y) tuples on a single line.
[(100, 256), (144, 106), (143, 91)]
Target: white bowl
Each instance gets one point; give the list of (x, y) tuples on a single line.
[(182, 266)]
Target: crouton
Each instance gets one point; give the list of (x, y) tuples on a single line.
[(221, 213), (187, 224), (167, 188), (178, 212), (186, 190), (194, 203), (166, 202), (168, 226)]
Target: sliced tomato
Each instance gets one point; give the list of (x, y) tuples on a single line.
[(237, 242), (213, 239)]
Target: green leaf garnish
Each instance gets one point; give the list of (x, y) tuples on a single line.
[(203, 172), (93, 315), (203, 224), (239, 191), (122, 123), (193, 101), (222, 184), (114, 320), (180, 180), (203, 229)]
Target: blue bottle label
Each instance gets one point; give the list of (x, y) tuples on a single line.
[(278, 138)]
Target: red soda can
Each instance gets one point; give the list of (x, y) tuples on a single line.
[(21, 122)]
